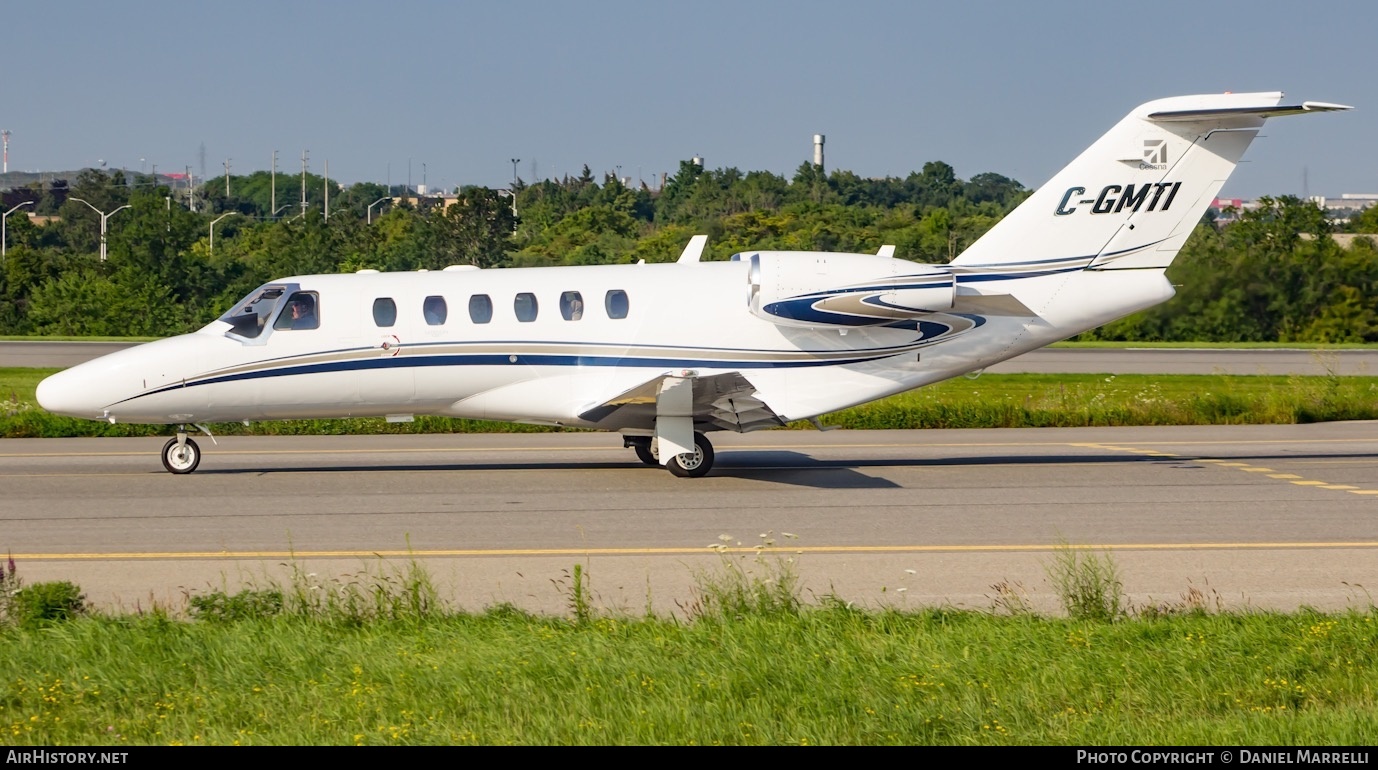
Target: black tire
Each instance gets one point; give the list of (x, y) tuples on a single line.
[(181, 460), (692, 466), (644, 453)]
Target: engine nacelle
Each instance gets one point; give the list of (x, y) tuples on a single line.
[(823, 289)]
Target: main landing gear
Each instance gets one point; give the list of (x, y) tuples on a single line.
[(689, 465)]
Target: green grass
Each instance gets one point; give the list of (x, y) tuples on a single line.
[(990, 401), (1075, 400), (63, 338), (378, 659), (1317, 346)]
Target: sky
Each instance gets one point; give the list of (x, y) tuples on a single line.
[(448, 93)]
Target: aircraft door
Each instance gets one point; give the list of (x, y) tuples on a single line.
[(386, 378)]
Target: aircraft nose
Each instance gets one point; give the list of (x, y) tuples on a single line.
[(63, 393)]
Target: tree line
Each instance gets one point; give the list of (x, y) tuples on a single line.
[(1269, 274)]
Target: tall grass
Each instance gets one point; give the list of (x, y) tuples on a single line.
[(1087, 583), (377, 659), (763, 583), (1048, 401)]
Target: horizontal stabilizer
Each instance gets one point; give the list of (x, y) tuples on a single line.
[(1263, 111)]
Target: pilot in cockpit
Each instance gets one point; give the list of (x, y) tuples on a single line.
[(303, 310)]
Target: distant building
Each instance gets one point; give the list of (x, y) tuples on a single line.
[(1347, 203), (1227, 209)]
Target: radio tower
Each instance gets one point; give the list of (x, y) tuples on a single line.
[(6, 135)]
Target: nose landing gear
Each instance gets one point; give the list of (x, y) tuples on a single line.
[(181, 454)]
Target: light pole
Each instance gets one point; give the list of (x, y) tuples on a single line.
[(104, 217), (5, 216), (513, 195), (375, 203), (213, 223), (515, 161)]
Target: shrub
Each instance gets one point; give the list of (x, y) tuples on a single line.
[(44, 603), (246, 605)]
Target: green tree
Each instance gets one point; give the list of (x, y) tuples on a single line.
[(90, 302), (1365, 222), (474, 230)]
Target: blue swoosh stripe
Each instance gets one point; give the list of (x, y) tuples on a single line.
[(504, 360)]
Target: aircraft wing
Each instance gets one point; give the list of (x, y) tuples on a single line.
[(726, 401)]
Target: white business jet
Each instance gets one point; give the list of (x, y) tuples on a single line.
[(664, 353)]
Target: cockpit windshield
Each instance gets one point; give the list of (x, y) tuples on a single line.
[(249, 317)]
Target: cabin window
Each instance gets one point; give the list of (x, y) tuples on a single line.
[(435, 310), (384, 311), (572, 306), (525, 307), (302, 312), (616, 303), (480, 309)]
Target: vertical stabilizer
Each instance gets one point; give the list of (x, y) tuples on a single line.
[(1132, 198)]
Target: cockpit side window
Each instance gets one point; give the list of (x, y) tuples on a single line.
[(248, 318), (302, 312)]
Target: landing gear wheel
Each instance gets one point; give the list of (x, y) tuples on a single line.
[(645, 454), (644, 446), (694, 464), (181, 458)]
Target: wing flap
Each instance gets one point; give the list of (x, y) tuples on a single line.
[(726, 401)]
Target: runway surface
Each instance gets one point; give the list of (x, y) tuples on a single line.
[(1047, 360), (1268, 517)]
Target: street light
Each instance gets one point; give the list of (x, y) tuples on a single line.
[(213, 223), (280, 209), (513, 195), (5, 216), (375, 203), (515, 161), (104, 217)]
